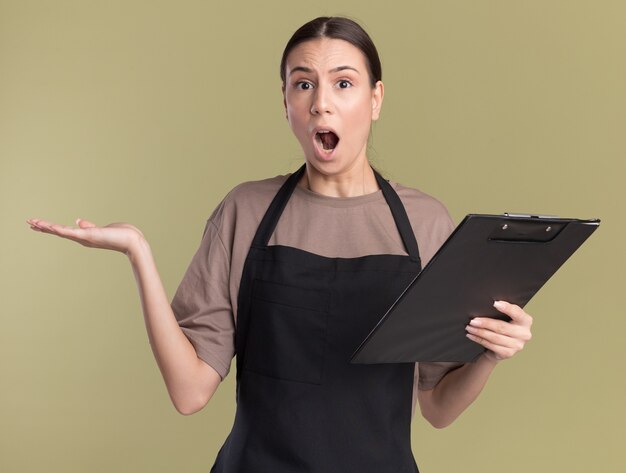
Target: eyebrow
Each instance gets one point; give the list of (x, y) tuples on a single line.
[(334, 69)]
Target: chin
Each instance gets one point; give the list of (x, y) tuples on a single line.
[(328, 169)]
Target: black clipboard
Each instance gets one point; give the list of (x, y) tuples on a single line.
[(487, 258)]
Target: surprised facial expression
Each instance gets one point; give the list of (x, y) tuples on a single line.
[(331, 103)]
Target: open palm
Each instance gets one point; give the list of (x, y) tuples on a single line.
[(114, 236)]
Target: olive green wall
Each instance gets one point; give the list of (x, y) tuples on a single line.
[(150, 111)]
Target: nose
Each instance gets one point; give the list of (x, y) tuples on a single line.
[(322, 101)]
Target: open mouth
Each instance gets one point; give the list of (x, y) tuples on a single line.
[(327, 139)]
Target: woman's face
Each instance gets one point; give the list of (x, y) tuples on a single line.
[(330, 103)]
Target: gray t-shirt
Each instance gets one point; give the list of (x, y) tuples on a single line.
[(205, 302)]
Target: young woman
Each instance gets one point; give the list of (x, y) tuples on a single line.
[(293, 272)]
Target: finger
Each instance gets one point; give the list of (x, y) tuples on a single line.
[(85, 223), (511, 329), (516, 313), (33, 221), (517, 342), (76, 234), (62, 231), (499, 351), (41, 224), (51, 227)]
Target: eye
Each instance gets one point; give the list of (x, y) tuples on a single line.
[(344, 84), (302, 85)]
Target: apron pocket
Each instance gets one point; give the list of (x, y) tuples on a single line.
[(287, 332)]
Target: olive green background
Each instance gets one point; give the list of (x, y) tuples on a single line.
[(150, 111)]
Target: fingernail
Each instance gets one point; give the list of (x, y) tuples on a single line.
[(498, 304), (475, 322)]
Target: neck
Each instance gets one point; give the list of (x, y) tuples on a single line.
[(351, 183)]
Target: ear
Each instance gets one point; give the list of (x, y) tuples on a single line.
[(378, 93), (282, 89)]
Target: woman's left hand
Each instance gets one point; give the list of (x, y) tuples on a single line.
[(501, 339)]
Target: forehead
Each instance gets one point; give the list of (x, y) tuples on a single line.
[(325, 54)]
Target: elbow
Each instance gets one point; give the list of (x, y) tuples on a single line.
[(438, 422), (189, 406), (190, 398), (435, 414), (186, 410), (438, 417)]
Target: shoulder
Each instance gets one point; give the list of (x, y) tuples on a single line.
[(248, 200), (253, 190), (421, 205), (429, 219)]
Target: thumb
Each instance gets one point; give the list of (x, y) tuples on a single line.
[(84, 223)]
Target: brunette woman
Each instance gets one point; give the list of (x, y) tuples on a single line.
[(292, 273)]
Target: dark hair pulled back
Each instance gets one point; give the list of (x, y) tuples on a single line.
[(336, 27)]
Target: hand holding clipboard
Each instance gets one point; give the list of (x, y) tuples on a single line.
[(487, 258)]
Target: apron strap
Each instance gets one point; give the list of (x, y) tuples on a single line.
[(275, 210), (400, 217)]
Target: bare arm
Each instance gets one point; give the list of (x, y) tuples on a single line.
[(459, 388), (190, 381)]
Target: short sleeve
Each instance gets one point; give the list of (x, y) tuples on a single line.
[(429, 374), (202, 305)]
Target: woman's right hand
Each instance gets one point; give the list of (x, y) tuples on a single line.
[(122, 237), (190, 381)]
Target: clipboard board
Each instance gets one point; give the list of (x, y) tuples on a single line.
[(487, 258)]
